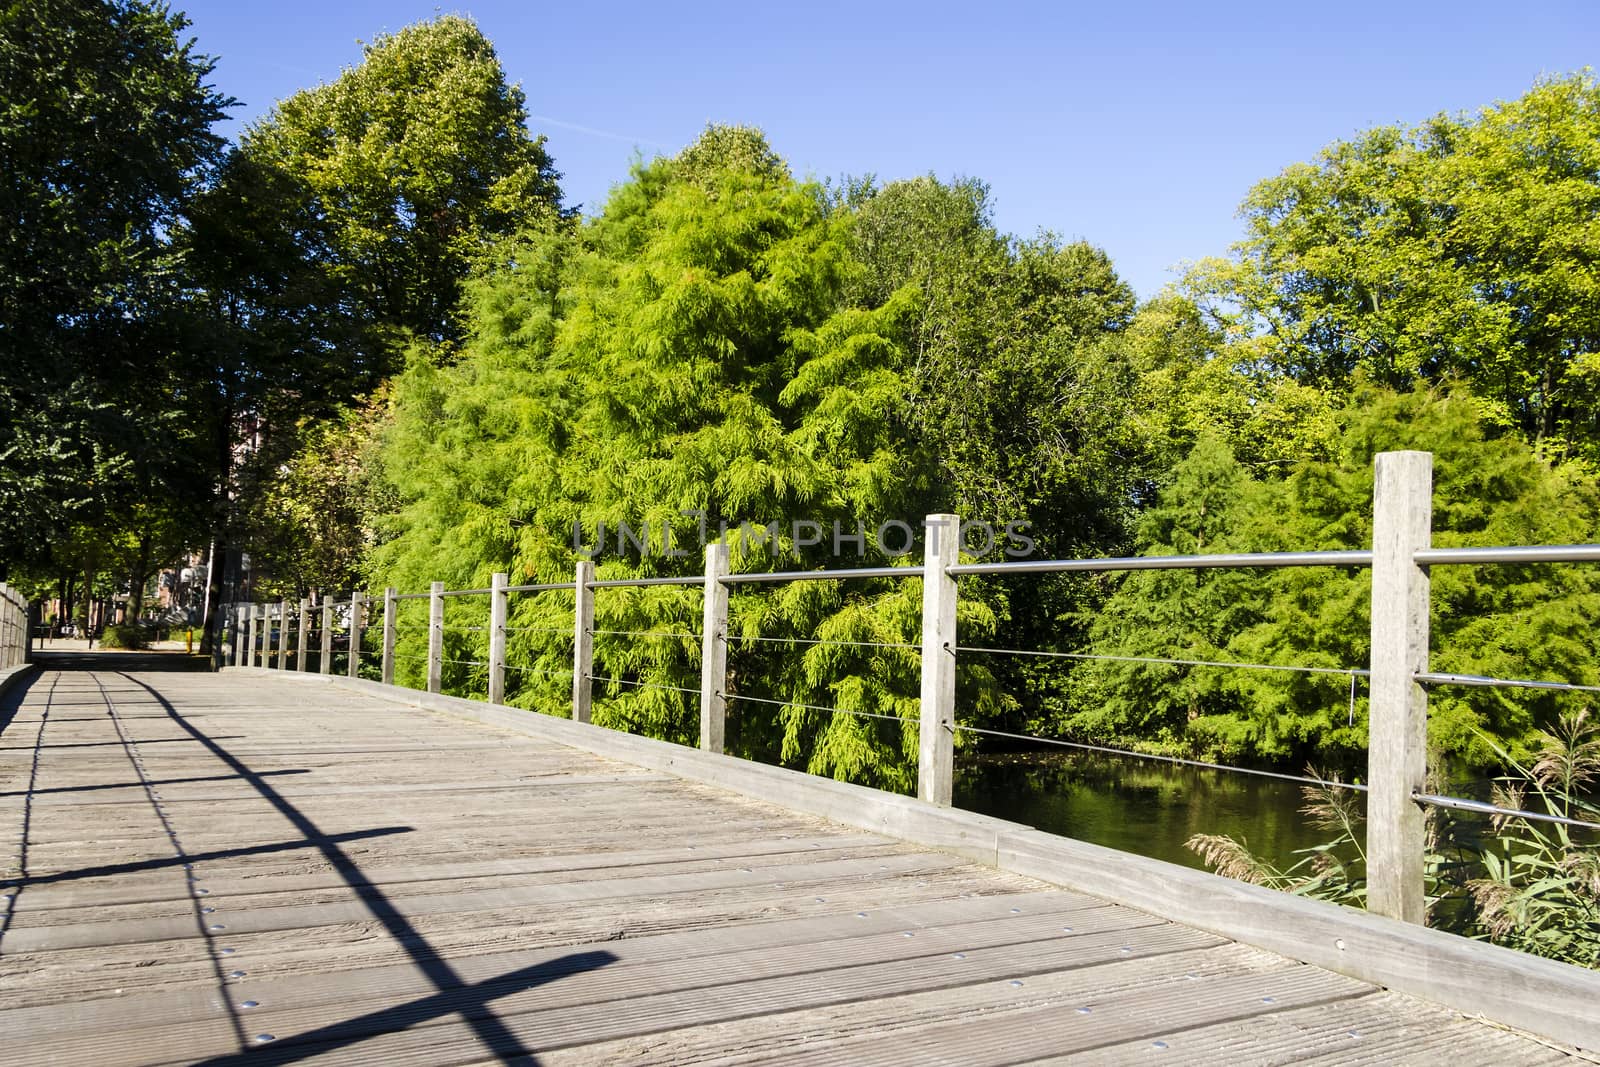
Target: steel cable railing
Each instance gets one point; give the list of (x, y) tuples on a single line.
[(1398, 673)]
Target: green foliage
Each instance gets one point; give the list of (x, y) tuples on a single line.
[(1500, 621), (105, 128), (412, 164), (337, 238), (725, 345), (125, 635), (1523, 883), (1198, 378), (1463, 247), (308, 525), (685, 351), (1540, 884), (1014, 386), (721, 149)]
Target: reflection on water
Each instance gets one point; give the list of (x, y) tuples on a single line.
[(1137, 805)]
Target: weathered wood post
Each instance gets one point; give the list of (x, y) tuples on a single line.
[(258, 635), (714, 651), (325, 661), (936, 752), (1397, 730), (391, 622), (358, 626), (283, 636), (498, 605), (435, 635), (302, 662), (8, 624), (241, 621), (582, 641)]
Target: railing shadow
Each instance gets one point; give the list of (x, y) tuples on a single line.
[(453, 994), (470, 1002)]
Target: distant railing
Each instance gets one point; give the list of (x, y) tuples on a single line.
[(15, 634), (1397, 674)]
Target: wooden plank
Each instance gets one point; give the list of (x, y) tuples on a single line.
[(23, 937), (1538, 995), (702, 930), (95, 971), (267, 891), (1525, 992), (277, 878), (1375, 1029), (582, 997), (1046, 1024), (745, 952), (782, 1033)]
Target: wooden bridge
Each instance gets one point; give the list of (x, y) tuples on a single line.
[(271, 867)]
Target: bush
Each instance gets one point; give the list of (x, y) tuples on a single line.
[(1525, 884), (125, 635)]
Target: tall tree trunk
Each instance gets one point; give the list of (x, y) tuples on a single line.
[(212, 592), (88, 598), (137, 580), (222, 524)]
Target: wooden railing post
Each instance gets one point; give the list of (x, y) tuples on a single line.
[(714, 651), (302, 642), (325, 661), (282, 662), (582, 641), (7, 623), (258, 635), (391, 622), (498, 605), (936, 752), (435, 635), (358, 627), (241, 639), (1397, 725)]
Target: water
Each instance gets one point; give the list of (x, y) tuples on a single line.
[(1138, 806)]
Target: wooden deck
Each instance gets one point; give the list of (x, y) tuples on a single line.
[(205, 868)]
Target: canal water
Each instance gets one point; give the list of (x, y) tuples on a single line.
[(1139, 806)]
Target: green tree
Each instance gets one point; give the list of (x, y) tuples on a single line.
[(1023, 389), (412, 164), (105, 126), (1516, 622), (1463, 247), (336, 238), (688, 350), (310, 522)]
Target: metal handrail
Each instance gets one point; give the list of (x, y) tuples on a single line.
[(1429, 557), (1337, 558)]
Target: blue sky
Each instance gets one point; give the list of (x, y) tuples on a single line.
[(1137, 126)]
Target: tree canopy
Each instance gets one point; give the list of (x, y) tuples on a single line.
[(105, 126), (1490, 489), (411, 164), (366, 343), (1463, 247)]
